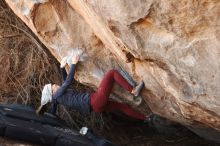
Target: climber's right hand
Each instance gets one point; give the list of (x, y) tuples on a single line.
[(75, 59), (63, 62)]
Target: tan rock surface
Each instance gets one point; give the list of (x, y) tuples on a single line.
[(174, 46)]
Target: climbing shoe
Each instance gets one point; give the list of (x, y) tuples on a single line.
[(149, 119), (138, 88), (137, 100)]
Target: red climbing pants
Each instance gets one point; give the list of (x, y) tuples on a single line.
[(99, 100)]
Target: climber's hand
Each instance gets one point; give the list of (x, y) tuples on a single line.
[(63, 62), (75, 59)]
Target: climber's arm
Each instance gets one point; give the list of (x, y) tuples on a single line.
[(63, 74), (66, 83), (69, 78)]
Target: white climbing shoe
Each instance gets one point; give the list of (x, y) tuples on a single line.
[(137, 100), (138, 88)]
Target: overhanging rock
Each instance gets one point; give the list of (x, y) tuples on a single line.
[(172, 45)]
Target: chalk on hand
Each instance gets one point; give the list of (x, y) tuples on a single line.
[(76, 52)]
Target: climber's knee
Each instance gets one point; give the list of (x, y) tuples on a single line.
[(111, 72)]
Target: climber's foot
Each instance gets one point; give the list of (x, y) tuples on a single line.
[(137, 100), (136, 91), (149, 118)]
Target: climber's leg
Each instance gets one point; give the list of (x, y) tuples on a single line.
[(99, 98), (116, 77), (115, 106)]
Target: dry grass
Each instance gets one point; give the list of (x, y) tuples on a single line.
[(25, 64)]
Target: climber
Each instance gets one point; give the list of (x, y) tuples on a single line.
[(86, 102)]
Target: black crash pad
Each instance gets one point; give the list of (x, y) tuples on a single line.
[(21, 122)]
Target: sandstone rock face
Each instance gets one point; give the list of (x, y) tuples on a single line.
[(174, 46)]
